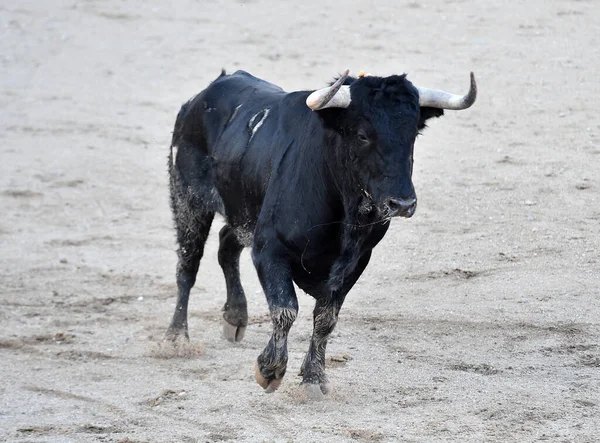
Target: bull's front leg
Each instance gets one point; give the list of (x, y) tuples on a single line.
[(275, 278), (325, 317)]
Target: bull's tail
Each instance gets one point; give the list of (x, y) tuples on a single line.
[(191, 171), (177, 131)]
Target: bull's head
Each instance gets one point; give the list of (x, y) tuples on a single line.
[(378, 120)]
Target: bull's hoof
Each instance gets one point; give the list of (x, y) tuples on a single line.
[(233, 333), (269, 385), (314, 392), (316, 384), (176, 334)]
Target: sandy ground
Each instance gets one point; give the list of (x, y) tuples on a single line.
[(477, 320)]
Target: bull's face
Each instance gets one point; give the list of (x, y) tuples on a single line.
[(379, 130), (383, 164), (377, 121)]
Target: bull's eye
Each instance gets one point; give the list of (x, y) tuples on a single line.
[(362, 137)]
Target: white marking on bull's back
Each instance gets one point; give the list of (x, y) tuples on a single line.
[(256, 127), (235, 111)]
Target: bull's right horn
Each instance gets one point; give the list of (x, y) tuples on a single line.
[(444, 100), (335, 96)]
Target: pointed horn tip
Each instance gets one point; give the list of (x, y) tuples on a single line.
[(473, 82), (472, 94), (342, 78)]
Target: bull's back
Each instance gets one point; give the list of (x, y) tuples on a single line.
[(240, 123)]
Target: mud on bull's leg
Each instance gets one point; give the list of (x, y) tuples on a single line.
[(191, 238), (272, 362), (187, 268), (325, 317), (276, 280), (313, 368)]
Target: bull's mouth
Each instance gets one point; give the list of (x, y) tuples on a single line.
[(390, 208)]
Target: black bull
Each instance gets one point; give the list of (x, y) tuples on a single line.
[(310, 189)]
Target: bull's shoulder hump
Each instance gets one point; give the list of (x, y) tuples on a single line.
[(241, 82)]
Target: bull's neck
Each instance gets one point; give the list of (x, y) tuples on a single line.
[(356, 204), (357, 223)]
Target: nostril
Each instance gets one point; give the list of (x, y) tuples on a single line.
[(392, 203), (402, 207)]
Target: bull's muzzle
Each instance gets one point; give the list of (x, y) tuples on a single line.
[(398, 207)]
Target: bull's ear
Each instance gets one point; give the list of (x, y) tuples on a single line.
[(332, 118), (427, 113)]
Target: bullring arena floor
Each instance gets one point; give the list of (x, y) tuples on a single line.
[(477, 320)]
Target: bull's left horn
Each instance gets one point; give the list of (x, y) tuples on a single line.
[(444, 100), (336, 96)]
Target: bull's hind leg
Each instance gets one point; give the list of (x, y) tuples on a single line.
[(235, 311), (191, 236), (194, 205)]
